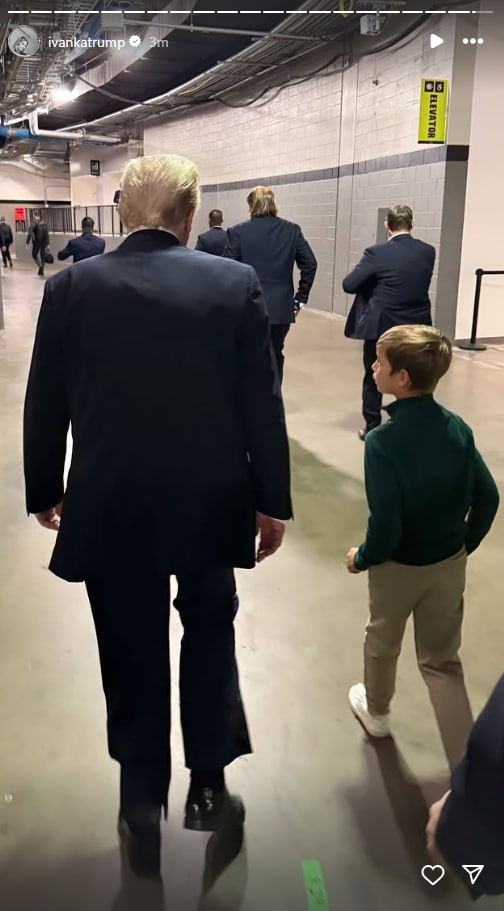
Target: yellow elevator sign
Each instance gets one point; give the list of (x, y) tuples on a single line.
[(433, 110)]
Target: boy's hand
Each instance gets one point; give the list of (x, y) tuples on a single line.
[(350, 560)]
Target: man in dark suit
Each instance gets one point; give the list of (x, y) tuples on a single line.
[(88, 244), (6, 239), (467, 825), (391, 284), (272, 246), (38, 237), (159, 358), (214, 240)]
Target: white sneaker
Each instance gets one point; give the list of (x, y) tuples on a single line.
[(375, 725)]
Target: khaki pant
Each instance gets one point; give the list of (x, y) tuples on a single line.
[(434, 594)]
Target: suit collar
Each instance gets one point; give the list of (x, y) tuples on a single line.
[(149, 239), (399, 236)]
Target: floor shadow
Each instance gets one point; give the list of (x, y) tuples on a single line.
[(330, 511), (225, 865), (30, 882), (391, 809)]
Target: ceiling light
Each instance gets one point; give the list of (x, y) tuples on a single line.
[(61, 95)]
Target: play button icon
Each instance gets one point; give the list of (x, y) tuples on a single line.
[(436, 40)]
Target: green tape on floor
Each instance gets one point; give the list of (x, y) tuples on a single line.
[(315, 886)]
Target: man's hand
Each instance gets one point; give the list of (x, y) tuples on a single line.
[(50, 518), (298, 306), (4, 249), (271, 532), (430, 832), (350, 560)]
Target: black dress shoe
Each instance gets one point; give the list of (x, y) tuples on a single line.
[(143, 845), (208, 810)]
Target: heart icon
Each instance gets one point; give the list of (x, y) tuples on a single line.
[(433, 875)]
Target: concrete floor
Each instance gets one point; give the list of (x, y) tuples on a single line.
[(315, 788)]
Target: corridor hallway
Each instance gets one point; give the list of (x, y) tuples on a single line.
[(315, 787)]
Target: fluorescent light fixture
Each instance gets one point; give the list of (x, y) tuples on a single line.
[(61, 95)]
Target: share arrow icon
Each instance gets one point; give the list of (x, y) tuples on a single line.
[(473, 871)]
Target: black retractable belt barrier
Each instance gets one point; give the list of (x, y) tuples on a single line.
[(472, 344)]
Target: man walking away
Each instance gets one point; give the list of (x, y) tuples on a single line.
[(159, 359), (392, 286), (38, 236), (214, 240), (272, 246), (6, 239), (87, 245)]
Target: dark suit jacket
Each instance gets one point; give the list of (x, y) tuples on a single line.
[(88, 244), (212, 241), (391, 284), (159, 357), (272, 246), (38, 234), (471, 825), (6, 237)]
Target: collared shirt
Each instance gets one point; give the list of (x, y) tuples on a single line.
[(429, 492), (398, 234), (150, 228)]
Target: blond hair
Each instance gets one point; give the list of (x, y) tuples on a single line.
[(261, 202), (158, 191), (423, 351), (400, 218)]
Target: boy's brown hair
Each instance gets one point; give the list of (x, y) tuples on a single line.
[(423, 351)]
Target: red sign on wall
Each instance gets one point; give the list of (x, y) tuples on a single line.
[(19, 214)]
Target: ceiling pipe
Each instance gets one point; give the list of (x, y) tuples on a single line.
[(282, 36), (15, 135), (56, 136)]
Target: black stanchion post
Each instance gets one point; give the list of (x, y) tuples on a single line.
[(472, 345)]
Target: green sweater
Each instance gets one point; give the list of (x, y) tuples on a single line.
[(429, 491)]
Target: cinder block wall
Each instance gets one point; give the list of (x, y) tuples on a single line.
[(336, 148)]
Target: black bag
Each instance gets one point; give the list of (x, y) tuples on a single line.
[(48, 257)]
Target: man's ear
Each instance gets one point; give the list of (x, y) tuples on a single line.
[(189, 220)]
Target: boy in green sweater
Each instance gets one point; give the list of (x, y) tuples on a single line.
[(431, 501)]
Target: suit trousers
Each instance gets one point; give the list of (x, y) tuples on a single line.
[(6, 257), (371, 398), (38, 254), (434, 596), (278, 335), (131, 615)]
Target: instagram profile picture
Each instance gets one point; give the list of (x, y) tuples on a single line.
[(23, 41)]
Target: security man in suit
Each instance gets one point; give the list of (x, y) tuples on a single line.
[(38, 237), (272, 246), (391, 284), (159, 358), (88, 244), (213, 240), (6, 239), (467, 825)]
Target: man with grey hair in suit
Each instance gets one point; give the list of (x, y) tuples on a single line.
[(159, 358)]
